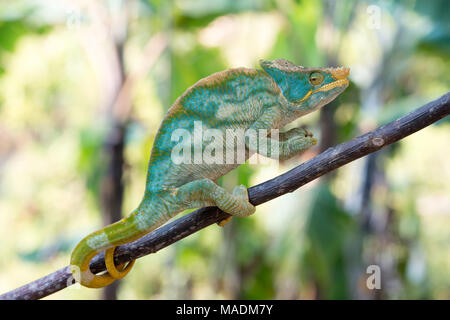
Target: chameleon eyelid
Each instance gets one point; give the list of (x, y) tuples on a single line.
[(316, 78)]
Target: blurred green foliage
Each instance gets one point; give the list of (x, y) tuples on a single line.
[(393, 211)]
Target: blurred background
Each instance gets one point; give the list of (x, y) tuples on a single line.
[(85, 84)]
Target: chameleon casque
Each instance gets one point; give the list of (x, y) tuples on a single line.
[(248, 99)]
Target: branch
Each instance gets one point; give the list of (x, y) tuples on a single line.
[(290, 181)]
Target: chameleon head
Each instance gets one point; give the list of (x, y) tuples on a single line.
[(307, 88)]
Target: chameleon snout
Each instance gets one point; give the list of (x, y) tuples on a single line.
[(340, 73)]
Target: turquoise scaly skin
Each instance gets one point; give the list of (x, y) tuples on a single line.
[(245, 99)]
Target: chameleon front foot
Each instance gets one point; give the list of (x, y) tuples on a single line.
[(295, 141), (301, 132)]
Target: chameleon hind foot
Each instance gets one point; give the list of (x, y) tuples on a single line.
[(205, 192), (243, 204), (112, 269), (240, 192)]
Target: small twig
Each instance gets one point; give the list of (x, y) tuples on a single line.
[(153, 50), (288, 182)]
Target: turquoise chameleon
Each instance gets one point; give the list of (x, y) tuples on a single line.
[(241, 98)]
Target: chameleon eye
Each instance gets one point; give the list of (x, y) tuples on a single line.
[(316, 78)]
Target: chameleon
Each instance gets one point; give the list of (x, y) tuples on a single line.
[(237, 98)]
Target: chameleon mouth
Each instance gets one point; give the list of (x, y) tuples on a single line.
[(331, 85), (327, 87)]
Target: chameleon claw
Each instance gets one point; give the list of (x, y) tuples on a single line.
[(223, 222), (112, 270), (307, 133)]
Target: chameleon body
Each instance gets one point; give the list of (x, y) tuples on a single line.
[(241, 98)]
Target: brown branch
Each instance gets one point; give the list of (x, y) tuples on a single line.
[(290, 181)]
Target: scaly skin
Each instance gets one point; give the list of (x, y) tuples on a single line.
[(245, 99)]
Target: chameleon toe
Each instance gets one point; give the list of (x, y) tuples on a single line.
[(240, 192), (224, 222)]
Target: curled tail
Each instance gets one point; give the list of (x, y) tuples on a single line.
[(107, 239)]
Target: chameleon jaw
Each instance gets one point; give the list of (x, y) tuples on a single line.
[(331, 85)]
